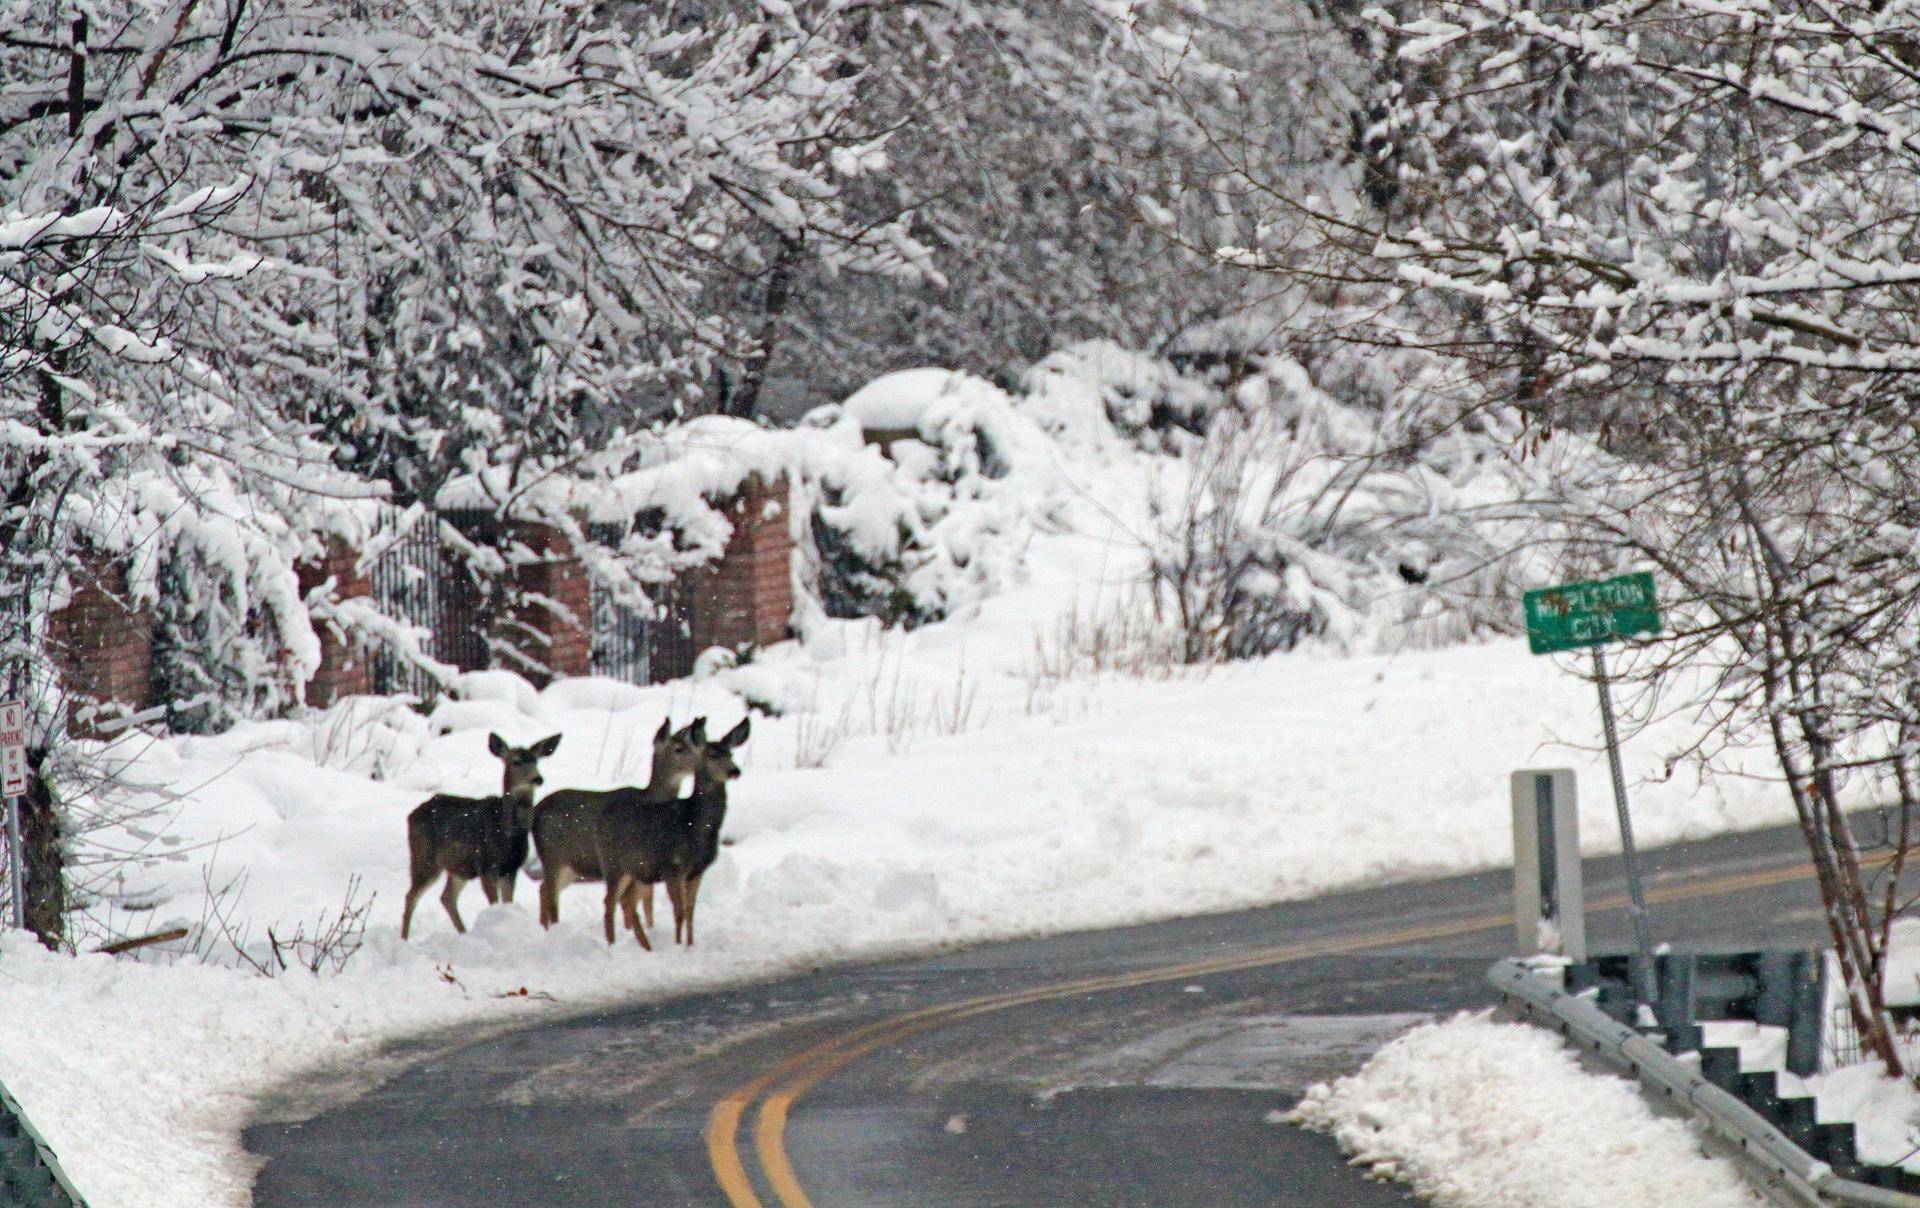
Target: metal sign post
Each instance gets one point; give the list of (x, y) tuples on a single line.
[(1593, 613), (1636, 899), (13, 782)]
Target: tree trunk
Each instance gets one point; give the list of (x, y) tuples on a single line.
[(744, 401), (46, 862)]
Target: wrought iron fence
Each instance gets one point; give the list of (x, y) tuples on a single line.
[(631, 646), (418, 579), (622, 639)]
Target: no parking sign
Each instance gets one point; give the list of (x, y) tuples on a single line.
[(13, 748)]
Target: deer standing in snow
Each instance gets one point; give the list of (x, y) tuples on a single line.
[(564, 822), (475, 837), (672, 841)]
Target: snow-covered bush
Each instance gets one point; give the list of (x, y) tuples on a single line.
[(1298, 516), (962, 475), (1145, 398)]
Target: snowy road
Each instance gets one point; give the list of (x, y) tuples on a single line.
[(1136, 1066)]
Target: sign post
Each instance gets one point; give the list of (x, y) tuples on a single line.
[(1591, 614), (13, 782)]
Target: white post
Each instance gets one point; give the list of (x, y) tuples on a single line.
[(16, 863), (1549, 899)]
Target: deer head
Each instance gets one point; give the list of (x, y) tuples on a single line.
[(521, 768), (675, 757), (716, 756)]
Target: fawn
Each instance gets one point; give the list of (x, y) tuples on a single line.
[(563, 822), (673, 841), (468, 837)]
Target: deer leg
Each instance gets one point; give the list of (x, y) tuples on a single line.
[(615, 883), (450, 898), (507, 884), (628, 901), (556, 880), (692, 893), (413, 897), (491, 888), (646, 899), (677, 895)]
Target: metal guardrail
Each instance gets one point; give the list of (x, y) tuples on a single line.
[(1780, 1162)]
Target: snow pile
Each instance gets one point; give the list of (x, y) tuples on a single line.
[(1479, 1114)]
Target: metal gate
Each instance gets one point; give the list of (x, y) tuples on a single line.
[(422, 582), (622, 640), (628, 645)]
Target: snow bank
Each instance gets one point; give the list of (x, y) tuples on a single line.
[(1481, 1114)]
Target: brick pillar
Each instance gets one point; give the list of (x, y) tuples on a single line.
[(101, 645), (745, 598), (345, 669), (551, 642)]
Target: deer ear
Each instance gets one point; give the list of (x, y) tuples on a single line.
[(497, 745), (665, 731), (698, 730), (738, 734), (546, 746)]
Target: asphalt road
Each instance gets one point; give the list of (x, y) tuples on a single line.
[(1140, 1066)]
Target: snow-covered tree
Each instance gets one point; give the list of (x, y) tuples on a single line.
[(1691, 234)]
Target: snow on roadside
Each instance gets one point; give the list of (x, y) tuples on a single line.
[(1117, 801), (1475, 1113)]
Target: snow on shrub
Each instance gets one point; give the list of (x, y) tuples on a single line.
[(1299, 516), (1270, 511)]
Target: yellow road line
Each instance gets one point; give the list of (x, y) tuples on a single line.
[(803, 1071)]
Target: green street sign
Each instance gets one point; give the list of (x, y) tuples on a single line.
[(1573, 615)]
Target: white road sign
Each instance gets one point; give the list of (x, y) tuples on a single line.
[(13, 748)]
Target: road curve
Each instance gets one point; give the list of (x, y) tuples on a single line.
[(1135, 1066)]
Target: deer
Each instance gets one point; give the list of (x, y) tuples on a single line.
[(563, 822), (675, 841), (475, 837)]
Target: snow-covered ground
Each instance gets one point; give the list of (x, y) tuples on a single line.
[(1477, 1113), (968, 780), (1102, 803)]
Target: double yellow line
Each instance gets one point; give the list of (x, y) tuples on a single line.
[(777, 1089)]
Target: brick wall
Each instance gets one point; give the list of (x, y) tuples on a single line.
[(345, 670), (101, 645), (549, 641), (746, 597), (104, 648)]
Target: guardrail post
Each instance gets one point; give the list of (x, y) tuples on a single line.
[(1549, 903), (1675, 1001), (1806, 1014)]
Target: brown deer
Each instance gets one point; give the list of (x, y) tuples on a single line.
[(707, 812), (563, 823), (673, 841), (469, 837)]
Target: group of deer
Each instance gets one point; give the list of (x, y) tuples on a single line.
[(630, 838)]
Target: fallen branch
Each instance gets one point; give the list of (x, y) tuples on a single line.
[(158, 937)]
